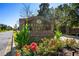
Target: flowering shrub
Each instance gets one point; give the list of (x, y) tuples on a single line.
[(43, 47), (29, 50), (17, 53), (70, 43), (25, 51), (77, 45), (33, 46), (46, 47)]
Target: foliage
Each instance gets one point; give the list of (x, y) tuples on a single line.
[(4, 27), (15, 27), (44, 7), (34, 39), (63, 15), (26, 11), (25, 51), (18, 53), (29, 50), (70, 43), (23, 36), (48, 36), (43, 47), (0, 29), (14, 35), (57, 44), (57, 34), (49, 47), (77, 45), (66, 15)]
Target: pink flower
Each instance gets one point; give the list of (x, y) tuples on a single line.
[(33, 46)]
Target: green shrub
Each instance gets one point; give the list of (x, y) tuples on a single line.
[(34, 39), (43, 47), (77, 45), (48, 37), (25, 52), (23, 36), (70, 43), (48, 47), (0, 29), (57, 34)]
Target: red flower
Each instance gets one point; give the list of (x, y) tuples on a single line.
[(33, 46)]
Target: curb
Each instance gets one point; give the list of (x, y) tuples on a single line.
[(13, 48), (8, 48)]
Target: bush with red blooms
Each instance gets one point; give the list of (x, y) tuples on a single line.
[(33, 46), (18, 54)]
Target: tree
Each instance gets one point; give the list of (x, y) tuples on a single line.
[(44, 8), (61, 16), (5, 27), (67, 15), (74, 14), (15, 27), (9, 28), (25, 11)]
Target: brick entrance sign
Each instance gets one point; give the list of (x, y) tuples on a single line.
[(39, 26)]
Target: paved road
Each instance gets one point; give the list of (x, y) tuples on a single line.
[(4, 38)]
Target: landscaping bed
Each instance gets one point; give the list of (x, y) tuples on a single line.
[(45, 46), (50, 47)]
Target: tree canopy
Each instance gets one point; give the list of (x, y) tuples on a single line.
[(5, 27)]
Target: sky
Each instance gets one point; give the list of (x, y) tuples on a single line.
[(10, 12)]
